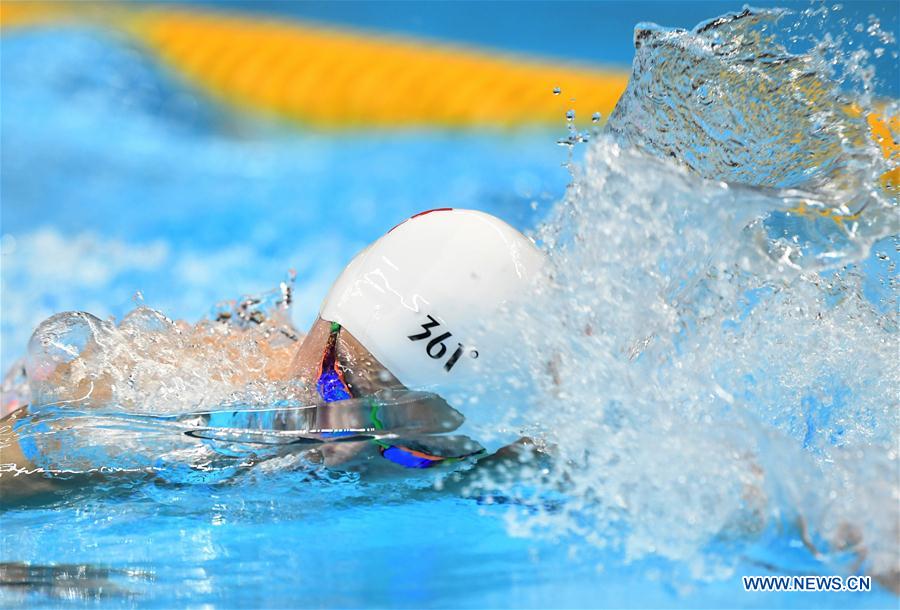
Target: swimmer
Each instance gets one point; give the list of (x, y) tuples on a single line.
[(408, 312)]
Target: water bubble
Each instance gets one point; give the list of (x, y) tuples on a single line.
[(595, 118), (144, 319), (556, 90), (570, 115), (56, 343)]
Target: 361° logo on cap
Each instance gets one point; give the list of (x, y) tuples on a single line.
[(436, 348)]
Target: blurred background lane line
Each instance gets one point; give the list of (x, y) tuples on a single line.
[(324, 76)]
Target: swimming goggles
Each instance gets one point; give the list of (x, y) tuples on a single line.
[(332, 387)]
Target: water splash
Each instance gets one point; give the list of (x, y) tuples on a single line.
[(148, 363), (710, 380), (728, 101)]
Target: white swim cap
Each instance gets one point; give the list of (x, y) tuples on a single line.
[(419, 298)]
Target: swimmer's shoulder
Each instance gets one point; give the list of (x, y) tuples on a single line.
[(19, 476)]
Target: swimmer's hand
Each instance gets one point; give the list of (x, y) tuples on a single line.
[(508, 465)]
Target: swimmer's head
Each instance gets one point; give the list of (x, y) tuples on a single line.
[(423, 298)]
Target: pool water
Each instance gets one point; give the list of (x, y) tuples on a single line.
[(676, 419)]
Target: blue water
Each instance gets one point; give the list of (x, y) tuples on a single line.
[(116, 179)]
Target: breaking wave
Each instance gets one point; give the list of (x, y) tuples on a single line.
[(716, 349)]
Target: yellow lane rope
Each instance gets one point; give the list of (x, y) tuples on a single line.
[(338, 78)]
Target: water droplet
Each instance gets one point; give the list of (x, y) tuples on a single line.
[(570, 115), (556, 90), (595, 118)]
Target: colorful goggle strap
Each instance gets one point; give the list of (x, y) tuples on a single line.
[(330, 384)]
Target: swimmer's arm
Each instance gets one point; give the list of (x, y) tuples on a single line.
[(19, 476), (503, 466), (849, 537), (91, 379)]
